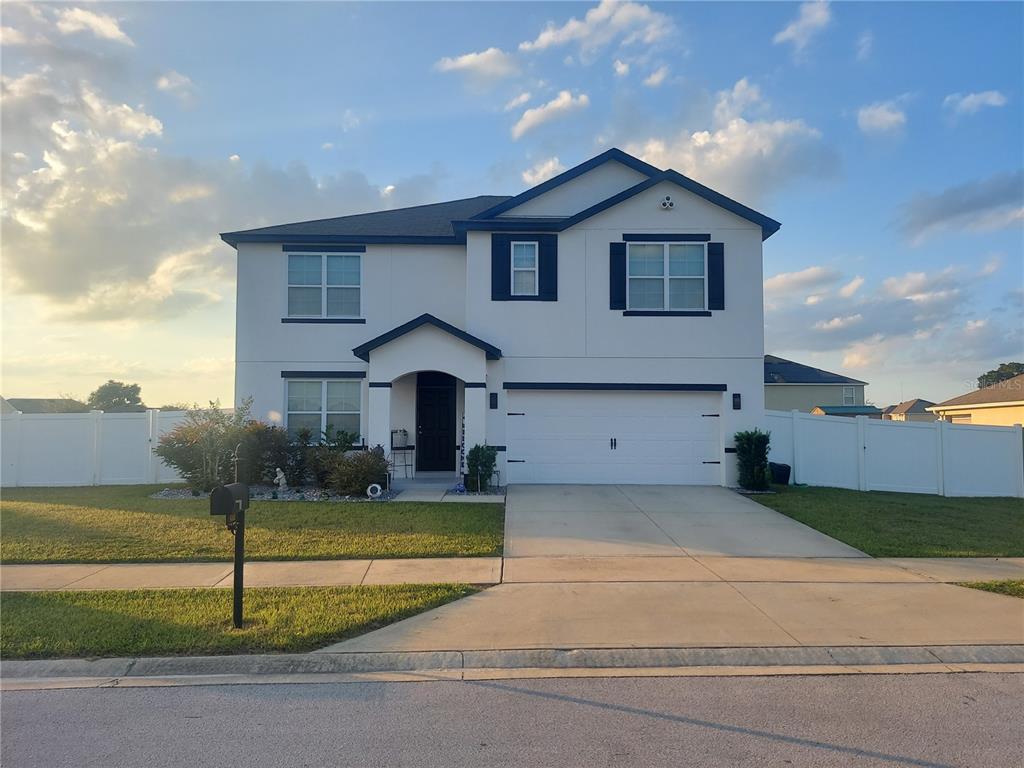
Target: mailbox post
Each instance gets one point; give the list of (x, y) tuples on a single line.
[(232, 501)]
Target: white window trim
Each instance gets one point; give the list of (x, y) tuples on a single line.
[(514, 269), (665, 277), (323, 412), (849, 389), (323, 283)]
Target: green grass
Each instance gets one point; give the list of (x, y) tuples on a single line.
[(907, 524), (198, 621), (109, 524), (1011, 587)]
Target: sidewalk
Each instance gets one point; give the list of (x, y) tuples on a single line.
[(302, 573)]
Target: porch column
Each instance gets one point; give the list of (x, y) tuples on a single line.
[(475, 414), (378, 428)]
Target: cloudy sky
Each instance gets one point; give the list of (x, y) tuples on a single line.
[(133, 133)]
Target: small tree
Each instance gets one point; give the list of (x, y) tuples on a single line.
[(116, 396), (752, 457), (1002, 373), (480, 463), (202, 448)]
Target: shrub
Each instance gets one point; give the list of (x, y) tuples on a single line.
[(202, 448), (480, 463), (352, 473), (752, 456), (264, 448), (322, 456)]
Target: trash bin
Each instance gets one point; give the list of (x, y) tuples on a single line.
[(780, 473)]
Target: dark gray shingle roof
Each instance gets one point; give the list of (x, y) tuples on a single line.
[(917, 405), (420, 221), (778, 370)]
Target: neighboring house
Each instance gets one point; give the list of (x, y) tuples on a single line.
[(790, 386), (1001, 404), (910, 410), (604, 326), (44, 405), (847, 410)]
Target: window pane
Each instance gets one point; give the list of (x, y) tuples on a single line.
[(524, 283), (343, 395), (343, 422), (304, 301), (304, 396), (646, 260), (686, 260), (343, 270), (310, 421), (686, 293), (303, 270), (343, 301), (645, 293), (524, 255)]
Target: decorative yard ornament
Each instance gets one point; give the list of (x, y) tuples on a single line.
[(280, 481), (374, 491)]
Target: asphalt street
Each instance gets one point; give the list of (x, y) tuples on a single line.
[(859, 720)]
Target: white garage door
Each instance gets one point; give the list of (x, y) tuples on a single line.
[(613, 437)]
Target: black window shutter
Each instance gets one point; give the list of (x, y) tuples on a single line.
[(547, 272), (716, 275), (501, 267), (616, 276)]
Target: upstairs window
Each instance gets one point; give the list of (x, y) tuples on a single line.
[(666, 276), (325, 285), (524, 269), (849, 396)]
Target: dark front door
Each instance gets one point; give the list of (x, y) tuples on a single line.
[(435, 422)]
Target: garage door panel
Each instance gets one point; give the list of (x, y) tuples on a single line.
[(565, 437)]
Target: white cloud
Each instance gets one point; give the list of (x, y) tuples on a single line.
[(865, 45), (119, 118), (621, 67), (178, 85), (517, 101), (543, 171), (484, 66), (813, 18), (184, 193), (657, 77), (72, 20), (234, 158), (921, 286), (805, 279), (327, 146), (992, 265), (607, 22), (981, 205), (350, 120), (742, 157), (560, 106), (851, 287), (968, 104), (881, 117), (814, 298), (837, 323)]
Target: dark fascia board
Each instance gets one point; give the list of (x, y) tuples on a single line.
[(605, 386), (323, 374), (363, 350), (234, 238), (612, 154), (508, 225)]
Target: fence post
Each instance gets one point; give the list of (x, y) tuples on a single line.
[(862, 447), (154, 431), (796, 443), (940, 448), (97, 446), (16, 449)]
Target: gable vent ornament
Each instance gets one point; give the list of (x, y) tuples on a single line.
[(667, 203)]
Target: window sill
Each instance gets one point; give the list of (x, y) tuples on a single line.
[(325, 320), (666, 313), (512, 297)]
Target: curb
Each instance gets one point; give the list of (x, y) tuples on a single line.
[(524, 663)]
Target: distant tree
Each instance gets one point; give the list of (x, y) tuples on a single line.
[(116, 396), (1002, 373), (179, 406)]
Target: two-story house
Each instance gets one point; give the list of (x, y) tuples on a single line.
[(605, 326)]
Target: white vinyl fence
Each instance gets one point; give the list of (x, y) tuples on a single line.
[(92, 448), (913, 457)]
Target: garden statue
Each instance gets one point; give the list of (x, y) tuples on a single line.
[(280, 481)]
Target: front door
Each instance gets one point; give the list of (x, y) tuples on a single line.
[(435, 422)]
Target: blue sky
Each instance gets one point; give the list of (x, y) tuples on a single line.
[(890, 150)]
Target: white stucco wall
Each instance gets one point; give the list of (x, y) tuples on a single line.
[(582, 192)]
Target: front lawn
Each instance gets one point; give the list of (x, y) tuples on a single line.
[(197, 622), (110, 524), (1011, 587), (907, 524)]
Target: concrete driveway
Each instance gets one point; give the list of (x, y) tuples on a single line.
[(653, 520)]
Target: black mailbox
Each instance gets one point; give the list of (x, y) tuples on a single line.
[(229, 499)]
